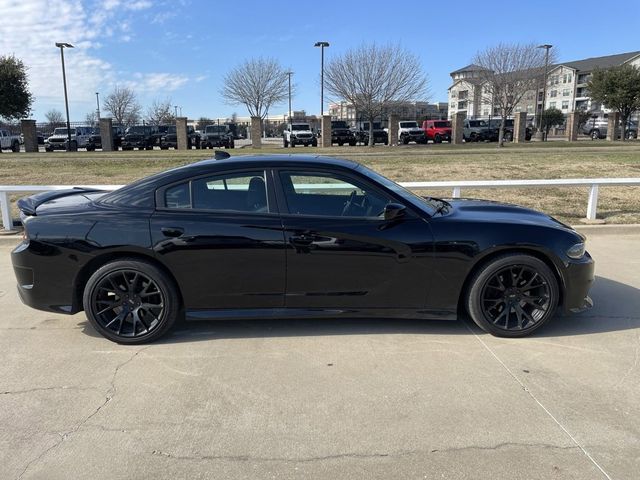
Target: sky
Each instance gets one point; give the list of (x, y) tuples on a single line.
[(180, 50)]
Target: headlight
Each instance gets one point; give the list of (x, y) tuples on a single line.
[(577, 251)]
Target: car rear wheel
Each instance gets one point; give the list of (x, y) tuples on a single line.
[(437, 138), (595, 134), (15, 147), (512, 296), (131, 302)]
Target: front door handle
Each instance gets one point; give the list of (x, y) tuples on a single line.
[(302, 240), (172, 232)]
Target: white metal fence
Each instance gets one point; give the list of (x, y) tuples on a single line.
[(456, 186)]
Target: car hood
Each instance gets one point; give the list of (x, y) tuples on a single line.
[(490, 211)]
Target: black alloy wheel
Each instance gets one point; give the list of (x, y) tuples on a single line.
[(513, 295), (131, 301)]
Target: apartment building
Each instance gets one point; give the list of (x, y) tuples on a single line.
[(566, 88)]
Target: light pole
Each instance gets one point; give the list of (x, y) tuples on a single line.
[(289, 73), (322, 46), (62, 46), (539, 134), (98, 104), (175, 110)]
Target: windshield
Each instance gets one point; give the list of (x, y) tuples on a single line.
[(171, 129), (63, 131), (408, 124), (431, 206), (477, 123), (216, 129), (137, 130), (442, 124), (300, 126), (339, 124)]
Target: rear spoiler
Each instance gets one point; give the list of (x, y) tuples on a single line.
[(28, 205)]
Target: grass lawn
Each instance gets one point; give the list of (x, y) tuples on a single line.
[(584, 159)]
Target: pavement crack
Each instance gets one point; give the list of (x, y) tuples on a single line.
[(535, 399), (108, 397), (353, 455), (44, 389)]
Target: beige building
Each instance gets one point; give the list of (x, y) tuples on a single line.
[(566, 88)]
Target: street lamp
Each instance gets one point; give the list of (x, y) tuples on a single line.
[(539, 133), (289, 73), (322, 46), (62, 46), (175, 110), (98, 104)]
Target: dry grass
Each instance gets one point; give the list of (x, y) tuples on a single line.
[(440, 162)]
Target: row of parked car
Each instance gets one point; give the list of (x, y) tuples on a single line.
[(436, 131), (141, 137)]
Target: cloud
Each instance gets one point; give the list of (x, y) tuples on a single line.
[(31, 37)]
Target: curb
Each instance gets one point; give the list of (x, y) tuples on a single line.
[(612, 229)]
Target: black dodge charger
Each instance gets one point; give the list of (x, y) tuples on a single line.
[(292, 236)]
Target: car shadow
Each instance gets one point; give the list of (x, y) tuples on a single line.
[(615, 308)]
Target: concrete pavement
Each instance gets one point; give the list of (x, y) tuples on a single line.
[(329, 399)]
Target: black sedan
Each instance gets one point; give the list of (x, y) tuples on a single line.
[(292, 236)]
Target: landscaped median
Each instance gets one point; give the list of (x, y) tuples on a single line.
[(551, 160)]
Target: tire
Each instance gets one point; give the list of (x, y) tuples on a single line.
[(595, 134), (386, 142), (352, 143), (509, 283), (15, 148), (292, 144), (437, 138), (340, 144), (508, 137), (119, 314), (285, 143), (73, 146), (314, 143), (405, 140)]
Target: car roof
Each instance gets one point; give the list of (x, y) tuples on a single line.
[(275, 159)]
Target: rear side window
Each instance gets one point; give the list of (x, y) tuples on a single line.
[(239, 192)]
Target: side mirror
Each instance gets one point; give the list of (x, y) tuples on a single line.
[(393, 211)]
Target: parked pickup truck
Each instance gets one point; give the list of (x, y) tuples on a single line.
[(299, 134), (411, 132), (142, 137), (341, 133), (59, 139), (437, 131), (8, 141)]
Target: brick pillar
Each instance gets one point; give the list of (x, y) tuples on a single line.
[(520, 127), (457, 126), (573, 119), (256, 132), (393, 129), (612, 126), (30, 135), (182, 142), (325, 139), (106, 135)]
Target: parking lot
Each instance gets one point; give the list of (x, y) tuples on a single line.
[(329, 399)]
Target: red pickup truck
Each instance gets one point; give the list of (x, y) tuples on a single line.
[(437, 130)]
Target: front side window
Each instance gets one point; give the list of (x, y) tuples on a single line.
[(237, 192), (327, 194)]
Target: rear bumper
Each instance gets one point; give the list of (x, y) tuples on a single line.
[(51, 291), (578, 279)]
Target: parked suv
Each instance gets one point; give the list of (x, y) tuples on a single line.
[(475, 130), (411, 132), (494, 130), (58, 141), (341, 133), (142, 137), (217, 136), (437, 131), (95, 140), (379, 134), (598, 129), (170, 139), (299, 134)]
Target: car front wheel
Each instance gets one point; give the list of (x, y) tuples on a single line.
[(131, 301), (513, 295)]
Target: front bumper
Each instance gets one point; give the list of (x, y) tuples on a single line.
[(578, 277)]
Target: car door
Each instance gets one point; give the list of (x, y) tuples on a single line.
[(221, 236), (340, 250)]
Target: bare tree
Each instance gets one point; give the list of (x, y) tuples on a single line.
[(54, 117), (91, 118), (160, 113), (373, 77), (123, 106), (203, 122), (258, 84), (508, 72)]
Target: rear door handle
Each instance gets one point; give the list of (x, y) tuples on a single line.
[(172, 231)]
